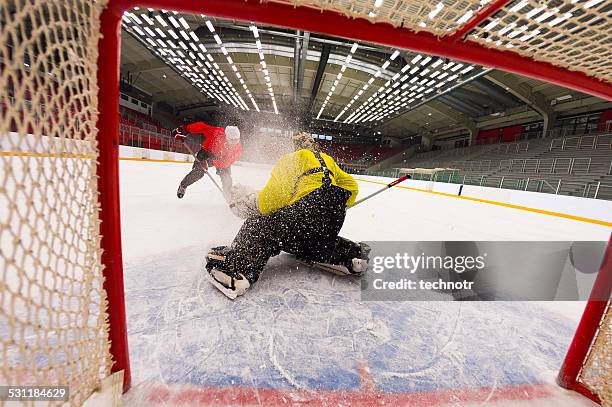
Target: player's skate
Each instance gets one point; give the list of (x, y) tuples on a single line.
[(349, 258), (180, 192), (229, 282)]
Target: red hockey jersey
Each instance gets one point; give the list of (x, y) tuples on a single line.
[(224, 155)]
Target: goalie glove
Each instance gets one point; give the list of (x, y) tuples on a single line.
[(243, 202), (179, 134)]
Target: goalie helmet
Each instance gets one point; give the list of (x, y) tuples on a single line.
[(303, 140)]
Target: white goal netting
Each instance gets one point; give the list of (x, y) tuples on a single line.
[(596, 373), (53, 322), (572, 34)]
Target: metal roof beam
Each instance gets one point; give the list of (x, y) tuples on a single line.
[(461, 119), (462, 106), (523, 92), (494, 92), (316, 84)]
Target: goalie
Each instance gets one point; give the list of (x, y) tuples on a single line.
[(300, 211), (221, 148)]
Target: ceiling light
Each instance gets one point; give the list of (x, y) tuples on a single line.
[(147, 19), (425, 61), (173, 21), (138, 30), (435, 11), (161, 20), (184, 23), (491, 25), (465, 17), (135, 18), (591, 3), (520, 5)]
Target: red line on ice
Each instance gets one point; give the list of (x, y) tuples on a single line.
[(366, 396)]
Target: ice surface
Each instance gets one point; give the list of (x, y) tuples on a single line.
[(302, 336)]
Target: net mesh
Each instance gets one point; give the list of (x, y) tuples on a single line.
[(572, 34), (576, 35), (596, 373), (53, 324)]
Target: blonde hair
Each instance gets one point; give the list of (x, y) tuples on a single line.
[(303, 140)]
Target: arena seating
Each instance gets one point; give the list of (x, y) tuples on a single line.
[(139, 130), (573, 165), (358, 157)]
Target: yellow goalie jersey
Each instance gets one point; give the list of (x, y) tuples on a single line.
[(295, 175)]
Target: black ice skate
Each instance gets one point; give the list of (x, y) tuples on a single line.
[(348, 259), (230, 283), (180, 192)]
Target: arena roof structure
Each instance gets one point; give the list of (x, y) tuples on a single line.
[(197, 63)]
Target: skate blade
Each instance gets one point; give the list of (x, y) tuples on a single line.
[(229, 293), (338, 270)]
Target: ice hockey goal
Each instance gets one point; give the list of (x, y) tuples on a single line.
[(62, 318)]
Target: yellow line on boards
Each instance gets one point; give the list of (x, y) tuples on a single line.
[(63, 155), (507, 205), (154, 161), (487, 201), (44, 155)]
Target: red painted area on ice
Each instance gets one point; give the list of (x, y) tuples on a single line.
[(365, 396)]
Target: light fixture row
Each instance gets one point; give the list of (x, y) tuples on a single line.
[(345, 64), (177, 45), (264, 66)]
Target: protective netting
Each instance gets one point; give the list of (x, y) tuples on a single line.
[(596, 373), (576, 35), (53, 323), (573, 34), (413, 14)]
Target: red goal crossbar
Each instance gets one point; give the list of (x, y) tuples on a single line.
[(303, 18)]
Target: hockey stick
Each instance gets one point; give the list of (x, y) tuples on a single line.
[(383, 189), (207, 173)]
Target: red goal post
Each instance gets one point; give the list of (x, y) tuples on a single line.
[(587, 367), (395, 25)]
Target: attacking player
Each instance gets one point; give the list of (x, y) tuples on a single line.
[(221, 148), (300, 211)]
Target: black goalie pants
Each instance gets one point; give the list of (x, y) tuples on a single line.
[(308, 229)]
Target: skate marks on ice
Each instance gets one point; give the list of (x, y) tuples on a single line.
[(303, 336)]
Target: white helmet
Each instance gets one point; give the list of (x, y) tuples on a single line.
[(232, 135)]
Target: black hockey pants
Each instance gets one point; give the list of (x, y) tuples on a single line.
[(198, 171), (308, 229)]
